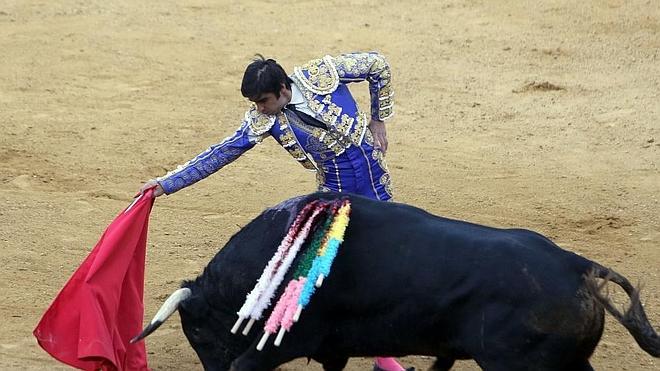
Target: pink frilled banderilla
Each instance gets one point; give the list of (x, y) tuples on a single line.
[(329, 219)]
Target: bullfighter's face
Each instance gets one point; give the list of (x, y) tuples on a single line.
[(270, 103)]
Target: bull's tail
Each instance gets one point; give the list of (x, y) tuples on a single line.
[(634, 319)]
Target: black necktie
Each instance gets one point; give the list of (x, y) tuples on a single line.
[(307, 119)]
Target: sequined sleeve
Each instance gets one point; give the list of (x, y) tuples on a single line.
[(213, 159), (374, 68)]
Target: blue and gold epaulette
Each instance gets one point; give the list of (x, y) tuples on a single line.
[(259, 123), (318, 75)]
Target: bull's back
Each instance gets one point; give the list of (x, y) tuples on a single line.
[(413, 239), (400, 257), (391, 245)]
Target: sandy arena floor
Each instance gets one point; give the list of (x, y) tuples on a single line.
[(535, 114)]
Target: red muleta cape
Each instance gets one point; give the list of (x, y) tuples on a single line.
[(90, 322)]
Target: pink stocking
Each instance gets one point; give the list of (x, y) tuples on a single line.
[(388, 364)]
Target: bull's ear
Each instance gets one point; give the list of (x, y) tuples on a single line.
[(169, 306)]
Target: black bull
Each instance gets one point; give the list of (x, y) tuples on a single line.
[(406, 282)]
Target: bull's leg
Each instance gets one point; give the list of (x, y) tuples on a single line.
[(333, 364), (254, 360), (443, 364), (581, 366)]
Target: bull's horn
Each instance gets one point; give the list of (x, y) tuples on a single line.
[(169, 306)]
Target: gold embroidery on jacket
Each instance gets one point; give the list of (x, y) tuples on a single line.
[(287, 139), (359, 129), (386, 181), (345, 123), (258, 122), (315, 106), (368, 137), (290, 143), (377, 155), (374, 68), (321, 76)]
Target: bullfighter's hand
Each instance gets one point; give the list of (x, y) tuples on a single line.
[(380, 134), (158, 190)]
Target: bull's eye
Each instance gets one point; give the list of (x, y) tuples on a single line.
[(196, 333), (200, 335)]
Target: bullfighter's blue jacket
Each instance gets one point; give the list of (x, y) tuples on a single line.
[(343, 155)]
